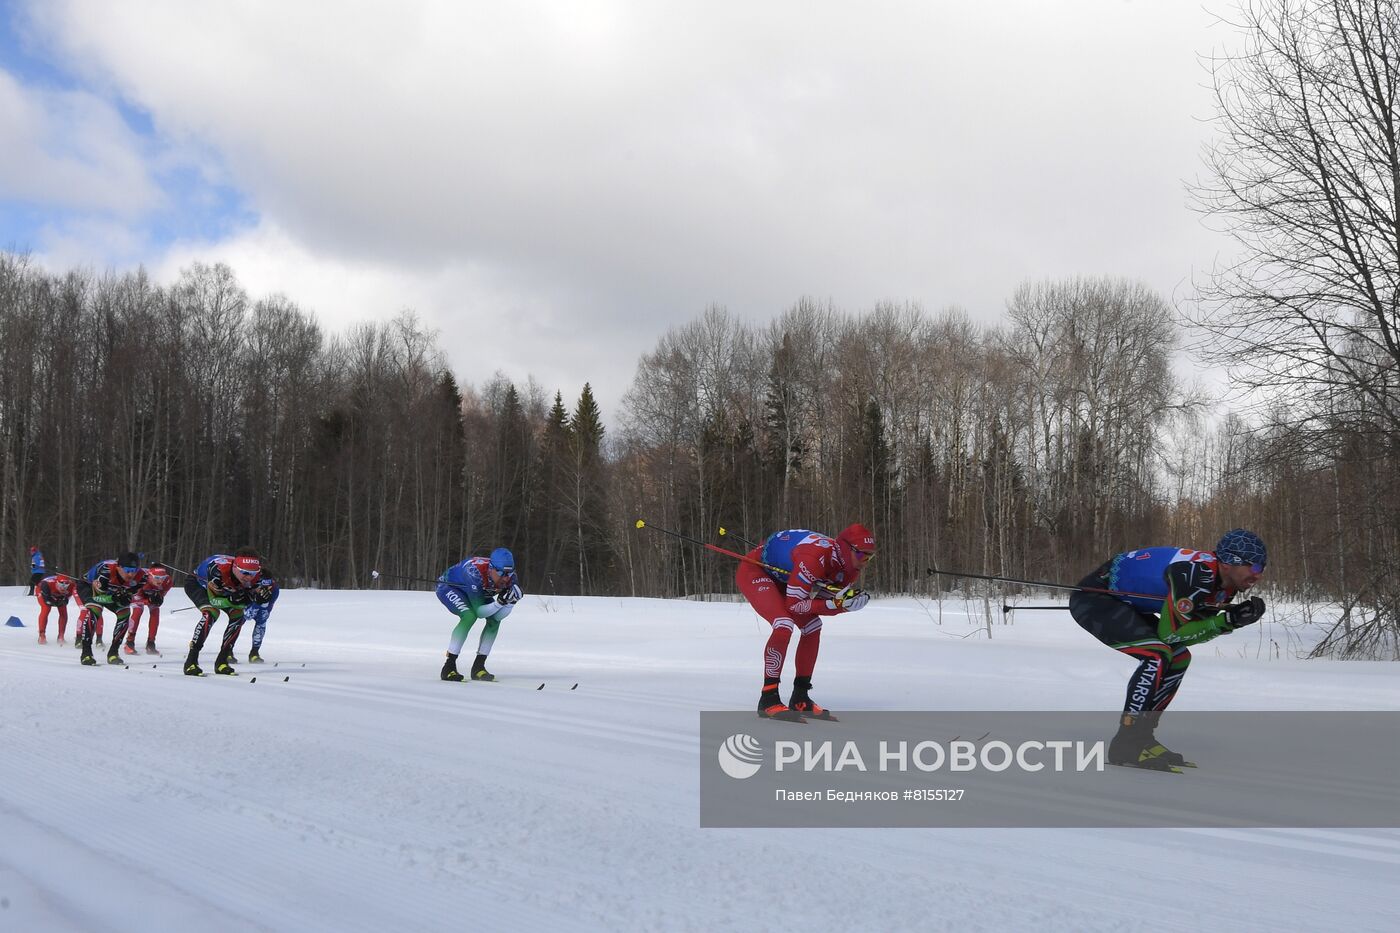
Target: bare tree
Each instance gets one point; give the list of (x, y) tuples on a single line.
[(1305, 177)]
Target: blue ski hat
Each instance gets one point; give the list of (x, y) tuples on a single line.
[(1241, 547), (503, 560)]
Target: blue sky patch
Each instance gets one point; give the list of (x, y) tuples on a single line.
[(195, 208)]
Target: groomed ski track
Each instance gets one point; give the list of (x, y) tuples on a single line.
[(364, 794)]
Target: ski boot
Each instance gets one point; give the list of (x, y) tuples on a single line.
[(254, 657), (1160, 751), (804, 704), (1131, 747), (85, 647), (223, 664), (151, 648), (129, 648), (192, 667), (771, 705), (113, 657), (99, 640), (479, 671), (449, 668), (43, 640)]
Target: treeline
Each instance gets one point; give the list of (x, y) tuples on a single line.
[(184, 420), (192, 418), (1322, 485), (1028, 449)]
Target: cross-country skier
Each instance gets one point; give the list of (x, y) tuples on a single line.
[(38, 569), (221, 583), (53, 592), (152, 594), (793, 579), (477, 588), (111, 585), (265, 593), (1183, 601)]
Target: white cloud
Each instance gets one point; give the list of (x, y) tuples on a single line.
[(70, 149), (484, 324), (89, 242), (595, 171)]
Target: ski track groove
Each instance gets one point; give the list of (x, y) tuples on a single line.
[(454, 700), (286, 842)]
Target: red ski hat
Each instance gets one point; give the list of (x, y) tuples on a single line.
[(247, 566), (858, 538)]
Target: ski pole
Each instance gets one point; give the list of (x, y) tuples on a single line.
[(740, 538), (1006, 608), (1054, 586), (744, 558), (172, 569)]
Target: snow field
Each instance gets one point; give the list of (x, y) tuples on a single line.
[(365, 794)]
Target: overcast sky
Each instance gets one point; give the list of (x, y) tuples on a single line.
[(552, 185)]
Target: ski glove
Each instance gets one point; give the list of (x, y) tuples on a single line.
[(263, 593), (852, 600), (509, 596), (1245, 613)]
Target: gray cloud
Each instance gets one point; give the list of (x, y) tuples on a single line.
[(590, 173)]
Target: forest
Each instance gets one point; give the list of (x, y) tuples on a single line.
[(189, 417)]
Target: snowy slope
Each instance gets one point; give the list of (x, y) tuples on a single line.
[(365, 794)]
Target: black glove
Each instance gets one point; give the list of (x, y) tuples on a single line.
[(240, 597), (263, 593), (1245, 613), (510, 595)]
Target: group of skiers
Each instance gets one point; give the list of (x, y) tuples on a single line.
[(236, 585), (1150, 603), (240, 587)]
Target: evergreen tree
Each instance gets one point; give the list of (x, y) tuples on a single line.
[(587, 494), (557, 567)]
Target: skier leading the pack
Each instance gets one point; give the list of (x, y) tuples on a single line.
[(221, 583), (477, 588), (792, 580), (1183, 598)]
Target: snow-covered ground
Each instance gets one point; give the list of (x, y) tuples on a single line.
[(363, 793)]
